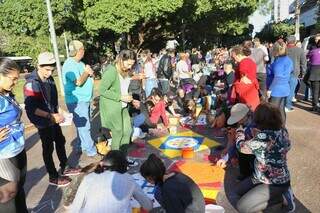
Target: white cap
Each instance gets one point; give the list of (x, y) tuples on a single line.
[(46, 58)]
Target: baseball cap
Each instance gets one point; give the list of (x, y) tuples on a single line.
[(238, 112), (46, 58)]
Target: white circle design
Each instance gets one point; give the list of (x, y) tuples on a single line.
[(181, 142)]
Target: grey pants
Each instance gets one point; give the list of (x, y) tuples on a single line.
[(253, 196)]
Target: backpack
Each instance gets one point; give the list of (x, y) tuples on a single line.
[(165, 67)]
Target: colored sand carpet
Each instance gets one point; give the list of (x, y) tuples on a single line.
[(207, 176), (171, 145)]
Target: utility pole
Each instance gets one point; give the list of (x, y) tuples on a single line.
[(54, 44), (66, 44), (297, 19)]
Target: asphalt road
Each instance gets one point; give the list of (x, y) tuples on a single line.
[(303, 163)]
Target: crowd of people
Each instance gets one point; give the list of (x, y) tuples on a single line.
[(246, 90)]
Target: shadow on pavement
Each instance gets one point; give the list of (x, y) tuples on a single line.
[(49, 203), (32, 140)]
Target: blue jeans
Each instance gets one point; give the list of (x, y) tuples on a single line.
[(138, 120), (307, 93), (150, 84), (293, 82), (81, 119), (280, 103)]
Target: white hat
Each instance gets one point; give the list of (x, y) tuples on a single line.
[(238, 112), (46, 58)]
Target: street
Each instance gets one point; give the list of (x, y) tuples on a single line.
[(303, 158)]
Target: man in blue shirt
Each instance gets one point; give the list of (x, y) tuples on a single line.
[(78, 88)]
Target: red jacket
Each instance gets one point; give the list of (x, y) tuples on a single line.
[(246, 93)]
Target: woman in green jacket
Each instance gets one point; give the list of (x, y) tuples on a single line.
[(114, 99)]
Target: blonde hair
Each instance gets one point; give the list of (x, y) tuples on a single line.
[(279, 49)]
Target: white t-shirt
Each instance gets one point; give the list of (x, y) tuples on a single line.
[(149, 70), (183, 69), (124, 86)]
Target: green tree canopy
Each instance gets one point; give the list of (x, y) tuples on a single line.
[(143, 23)]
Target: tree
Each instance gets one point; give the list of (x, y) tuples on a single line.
[(140, 23), (272, 31)]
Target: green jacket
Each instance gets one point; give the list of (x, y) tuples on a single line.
[(110, 97)]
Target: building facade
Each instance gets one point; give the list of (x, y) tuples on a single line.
[(280, 10)]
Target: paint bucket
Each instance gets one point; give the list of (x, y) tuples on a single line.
[(214, 209), (136, 210), (187, 152)]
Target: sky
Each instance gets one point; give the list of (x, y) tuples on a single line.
[(258, 21)]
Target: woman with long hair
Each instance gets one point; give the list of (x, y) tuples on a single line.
[(246, 86), (314, 77), (149, 70), (278, 76), (13, 159), (109, 188), (270, 181), (114, 99)]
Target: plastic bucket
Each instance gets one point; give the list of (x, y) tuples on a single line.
[(214, 209)]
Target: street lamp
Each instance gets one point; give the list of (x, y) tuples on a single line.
[(297, 21), (54, 44)]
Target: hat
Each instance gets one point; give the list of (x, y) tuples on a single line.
[(46, 58), (74, 47), (291, 39), (238, 112)]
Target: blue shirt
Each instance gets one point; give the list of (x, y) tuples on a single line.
[(278, 76), (10, 114), (71, 71)]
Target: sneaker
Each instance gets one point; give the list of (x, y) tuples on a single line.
[(131, 162), (288, 200), (71, 172), (294, 100), (59, 181), (142, 135), (289, 110)]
